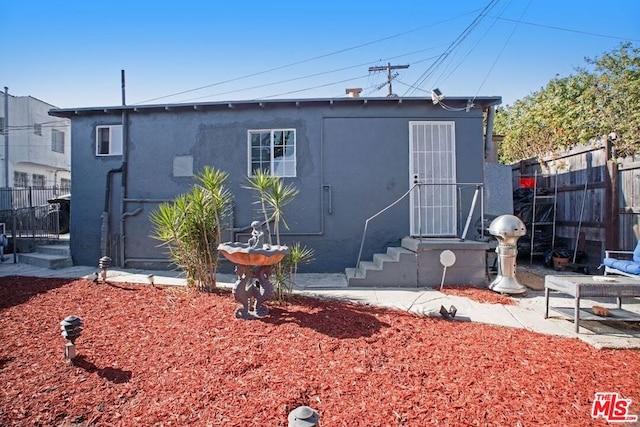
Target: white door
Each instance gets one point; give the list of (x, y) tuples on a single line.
[(432, 161)]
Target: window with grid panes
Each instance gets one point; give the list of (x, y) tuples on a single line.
[(38, 181), (272, 151), (20, 179), (57, 141)]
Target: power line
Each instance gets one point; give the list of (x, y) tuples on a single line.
[(312, 75), (315, 87), (441, 78), (506, 42), (306, 60), (588, 33), (388, 68), (454, 44)]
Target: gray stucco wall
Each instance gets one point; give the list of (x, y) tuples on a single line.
[(352, 161)]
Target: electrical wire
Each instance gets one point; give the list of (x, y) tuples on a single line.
[(454, 44), (311, 76), (552, 27), (439, 81), (310, 88), (306, 60), (506, 42)]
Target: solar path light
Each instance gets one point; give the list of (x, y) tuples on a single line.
[(104, 263), (71, 329), (303, 416)]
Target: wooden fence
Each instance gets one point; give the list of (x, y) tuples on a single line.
[(610, 187)]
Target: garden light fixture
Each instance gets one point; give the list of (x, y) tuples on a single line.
[(71, 329), (507, 229), (303, 416), (104, 263)]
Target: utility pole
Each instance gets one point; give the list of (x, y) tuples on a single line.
[(6, 137), (390, 76)]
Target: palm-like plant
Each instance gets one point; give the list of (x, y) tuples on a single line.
[(191, 227), (262, 182), (273, 195)]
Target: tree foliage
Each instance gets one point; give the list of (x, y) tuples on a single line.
[(597, 102)]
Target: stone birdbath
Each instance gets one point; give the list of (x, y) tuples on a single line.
[(254, 264)]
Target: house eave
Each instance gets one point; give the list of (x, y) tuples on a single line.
[(454, 102)]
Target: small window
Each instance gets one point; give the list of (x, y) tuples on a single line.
[(109, 140), (37, 129), (38, 180), (20, 179), (272, 151), (1, 125), (65, 185), (57, 141)]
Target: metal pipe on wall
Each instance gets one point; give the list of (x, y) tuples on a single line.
[(123, 183), (6, 137)]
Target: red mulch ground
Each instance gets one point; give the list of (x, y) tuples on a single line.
[(152, 356), (478, 294)]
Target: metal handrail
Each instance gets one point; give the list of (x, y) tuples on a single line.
[(478, 185)]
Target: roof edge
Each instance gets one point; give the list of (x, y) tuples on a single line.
[(455, 102)]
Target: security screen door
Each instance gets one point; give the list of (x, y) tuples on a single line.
[(432, 161)]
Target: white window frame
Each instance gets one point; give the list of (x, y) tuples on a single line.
[(284, 167), (20, 179), (114, 141), (38, 180), (57, 141)]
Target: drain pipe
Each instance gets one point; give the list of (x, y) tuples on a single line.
[(125, 151), (106, 214)]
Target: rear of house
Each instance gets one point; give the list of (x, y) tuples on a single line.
[(350, 158)]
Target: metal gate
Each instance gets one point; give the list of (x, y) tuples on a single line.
[(432, 162)]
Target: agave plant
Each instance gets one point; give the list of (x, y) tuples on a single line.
[(191, 226)]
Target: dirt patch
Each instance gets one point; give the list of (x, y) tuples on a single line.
[(531, 280), (150, 356)]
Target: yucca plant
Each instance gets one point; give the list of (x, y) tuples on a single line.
[(191, 226), (261, 183), (285, 276), (273, 195)]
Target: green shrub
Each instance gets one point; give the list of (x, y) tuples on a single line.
[(190, 227), (272, 196)]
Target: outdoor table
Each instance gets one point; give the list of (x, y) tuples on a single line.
[(592, 286)]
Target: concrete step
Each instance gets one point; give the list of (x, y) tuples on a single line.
[(60, 250), (396, 268), (48, 256)]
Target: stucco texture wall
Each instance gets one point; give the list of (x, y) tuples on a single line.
[(352, 161)]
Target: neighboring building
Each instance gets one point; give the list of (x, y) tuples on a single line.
[(39, 146), (349, 157)]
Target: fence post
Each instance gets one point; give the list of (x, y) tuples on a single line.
[(611, 213)]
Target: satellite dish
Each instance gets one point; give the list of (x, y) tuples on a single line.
[(447, 258)]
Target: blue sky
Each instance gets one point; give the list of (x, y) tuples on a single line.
[(70, 53)]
